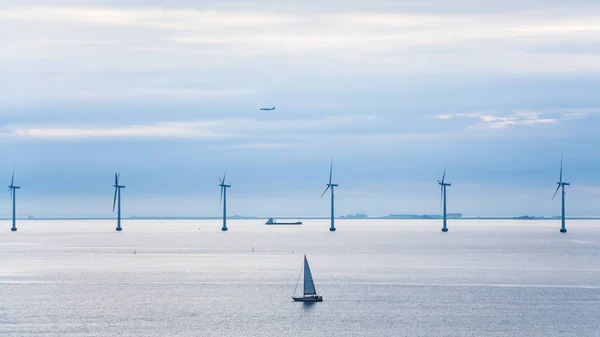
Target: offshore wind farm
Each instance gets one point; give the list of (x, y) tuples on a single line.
[(167, 106), (330, 186), (384, 275)]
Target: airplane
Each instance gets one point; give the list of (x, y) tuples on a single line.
[(268, 109)]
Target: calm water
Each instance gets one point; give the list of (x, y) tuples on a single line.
[(378, 278)]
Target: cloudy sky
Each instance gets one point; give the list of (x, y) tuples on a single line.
[(168, 94)]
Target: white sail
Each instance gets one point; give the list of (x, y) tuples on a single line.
[(309, 285)]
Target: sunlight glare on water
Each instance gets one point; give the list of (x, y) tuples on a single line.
[(377, 277)]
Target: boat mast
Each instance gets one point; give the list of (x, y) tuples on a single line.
[(298, 281)]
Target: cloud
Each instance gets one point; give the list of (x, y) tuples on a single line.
[(266, 146), (208, 129), (587, 190), (140, 16), (115, 34), (94, 92), (517, 118), (161, 130), (521, 117)]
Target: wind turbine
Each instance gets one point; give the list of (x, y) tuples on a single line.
[(332, 186), (443, 184), (223, 200), (13, 193), (117, 200), (561, 186)]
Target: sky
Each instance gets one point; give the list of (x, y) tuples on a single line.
[(167, 93)]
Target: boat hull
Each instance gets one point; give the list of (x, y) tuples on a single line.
[(308, 299), (283, 223)]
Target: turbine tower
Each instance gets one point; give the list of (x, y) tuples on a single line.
[(332, 186), (443, 184), (223, 200), (117, 200), (561, 186), (13, 193)]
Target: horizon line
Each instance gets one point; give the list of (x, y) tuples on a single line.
[(343, 217)]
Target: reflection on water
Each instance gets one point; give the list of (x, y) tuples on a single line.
[(307, 306), (378, 278)]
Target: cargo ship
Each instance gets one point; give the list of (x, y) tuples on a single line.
[(272, 221)]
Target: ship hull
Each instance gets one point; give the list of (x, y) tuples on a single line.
[(308, 299), (283, 223)]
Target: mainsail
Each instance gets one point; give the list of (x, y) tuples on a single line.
[(309, 285)]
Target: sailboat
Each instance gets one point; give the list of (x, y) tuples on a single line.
[(310, 292)]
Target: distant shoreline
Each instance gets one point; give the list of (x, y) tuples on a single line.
[(304, 217)]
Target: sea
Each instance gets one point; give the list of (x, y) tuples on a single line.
[(377, 278)]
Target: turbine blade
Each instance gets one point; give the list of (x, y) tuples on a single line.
[(441, 195), (12, 180), (558, 188), (116, 179), (561, 167), (224, 176), (332, 193), (325, 191), (444, 176), (115, 199), (331, 171)]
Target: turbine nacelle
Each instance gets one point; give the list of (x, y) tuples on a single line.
[(328, 187), (117, 188), (443, 184), (117, 177), (223, 187), (12, 189), (560, 183), (330, 184), (12, 182), (222, 180)]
